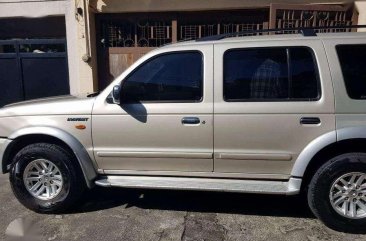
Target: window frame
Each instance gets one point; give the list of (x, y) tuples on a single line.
[(340, 67), (123, 82), (287, 50)]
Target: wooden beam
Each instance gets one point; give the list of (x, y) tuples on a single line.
[(272, 15), (311, 7), (127, 50), (174, 31)]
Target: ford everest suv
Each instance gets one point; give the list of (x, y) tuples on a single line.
[(272, 114)]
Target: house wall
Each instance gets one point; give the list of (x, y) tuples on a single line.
[(80, 73), (80, 29), (31, 8), (361, 9), (134, 6), (115, 6)]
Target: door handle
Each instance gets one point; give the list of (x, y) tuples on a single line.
[(310, 121), (190, 120)]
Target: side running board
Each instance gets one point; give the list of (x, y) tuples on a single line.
[(290, 187)]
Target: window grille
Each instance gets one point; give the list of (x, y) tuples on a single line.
[(307, 18)]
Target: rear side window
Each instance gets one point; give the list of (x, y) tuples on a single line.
[(353, 64), (173, 77), (271, 74)]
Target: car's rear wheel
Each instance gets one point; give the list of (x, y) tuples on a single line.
[(337, 193), (44, 178)]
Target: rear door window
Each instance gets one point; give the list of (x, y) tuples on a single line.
[(271, 74)]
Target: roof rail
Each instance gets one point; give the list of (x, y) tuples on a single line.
[(305, 31)]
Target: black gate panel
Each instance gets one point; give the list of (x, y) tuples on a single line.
[(32, 69), (10, 83), (44, 77)]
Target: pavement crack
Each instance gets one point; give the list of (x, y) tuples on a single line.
[(223, 228), (184, 227), (161, 235)]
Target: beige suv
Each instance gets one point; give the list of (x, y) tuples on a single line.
[(273, 114)]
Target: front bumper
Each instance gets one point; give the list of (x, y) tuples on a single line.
[(4, 142)]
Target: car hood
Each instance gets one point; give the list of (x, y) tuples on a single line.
[(68, 105)]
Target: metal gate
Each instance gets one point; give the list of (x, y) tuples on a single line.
[(32, 69)]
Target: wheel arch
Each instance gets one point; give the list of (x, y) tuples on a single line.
[(310, 151), (26, 136), (325, 147)]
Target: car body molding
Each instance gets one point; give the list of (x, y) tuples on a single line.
[(86, 164), (356, 132), (310, 151)]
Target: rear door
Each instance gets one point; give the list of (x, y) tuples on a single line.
[(270, 102)]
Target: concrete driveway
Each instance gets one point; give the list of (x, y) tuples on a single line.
[(118, 214)]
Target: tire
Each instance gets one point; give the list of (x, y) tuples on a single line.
[(339, 170), (64, 169)]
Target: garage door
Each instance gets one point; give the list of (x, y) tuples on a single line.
[(32, 69)]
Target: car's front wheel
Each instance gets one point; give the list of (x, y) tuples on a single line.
[(44, 178), (337, 193)]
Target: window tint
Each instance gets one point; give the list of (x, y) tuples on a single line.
[(7, 48), (353, 62), (303, 74), (266, 74), (170, 77)]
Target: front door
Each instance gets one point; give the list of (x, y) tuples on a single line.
[(165, 119)]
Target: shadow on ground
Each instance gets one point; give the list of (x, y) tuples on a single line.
[(194, 201)]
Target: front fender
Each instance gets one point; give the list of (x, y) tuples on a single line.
[(87, 165)]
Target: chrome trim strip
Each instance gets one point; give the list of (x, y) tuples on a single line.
[(161, 154), (255, 156), (254, 176), (290, 187)]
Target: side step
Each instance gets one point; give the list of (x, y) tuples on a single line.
[(290, 187)]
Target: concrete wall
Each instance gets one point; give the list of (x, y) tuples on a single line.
[(361, 9), (80, 29), (31, 8), (114, 6), (84, 30)]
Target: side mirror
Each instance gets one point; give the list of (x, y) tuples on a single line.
[(116, 94)]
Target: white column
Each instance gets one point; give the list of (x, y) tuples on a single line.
[(361, 9), (80, 72), (72, 50)]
